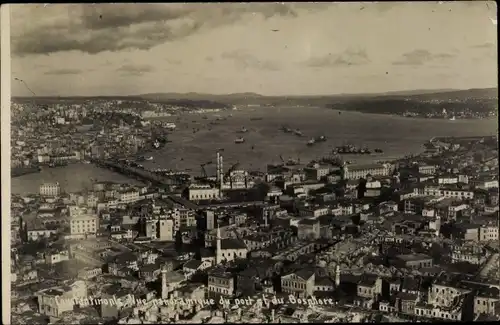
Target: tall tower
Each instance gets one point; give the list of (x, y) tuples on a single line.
[(438, 225), (218, 251), (218, 167), (164, 286), (345, 171), (337, 275), (220, 170)]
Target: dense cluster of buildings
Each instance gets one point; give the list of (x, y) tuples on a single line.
[(51, 135), (412, 239)]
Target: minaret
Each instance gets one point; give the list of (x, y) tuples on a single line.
[(221, 172), (345, 171), (164, 286), (438, 225), (218, 168), (337, 275), (218, 251)]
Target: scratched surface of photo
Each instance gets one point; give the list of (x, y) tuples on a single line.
[(258, 162)]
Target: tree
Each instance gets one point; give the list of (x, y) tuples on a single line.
[(178, 242)]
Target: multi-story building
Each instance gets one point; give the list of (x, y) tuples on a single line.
[(467, 232), (361, 171), (166, 229), (488, 233), (414, 261), (84, 224), (50, 189), (299, 283), (369, 287), (203, 192), (40, 232), (485, 300), (129, 196), (468, 252), (308, 229), (317, 172), (182, 217), (55, 301), (445, 301), (427, 169), (220, 283), (458, 194)]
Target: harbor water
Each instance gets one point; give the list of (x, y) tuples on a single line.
[(196, 140)]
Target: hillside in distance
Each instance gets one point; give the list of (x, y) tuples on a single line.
[(390, 102), (326, 100), (472, 102)]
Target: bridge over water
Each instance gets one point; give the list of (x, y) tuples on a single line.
[(139, 173)]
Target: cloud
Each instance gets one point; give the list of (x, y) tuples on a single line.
[(113, 27), (63, 72), (246, 60), (419, 57), (347, 58), (135, 69)]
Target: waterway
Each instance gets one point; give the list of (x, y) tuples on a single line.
[(396, 136), (72, 178)]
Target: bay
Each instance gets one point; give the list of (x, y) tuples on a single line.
[(396, 136)]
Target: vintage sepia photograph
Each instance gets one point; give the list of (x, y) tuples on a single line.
[(250, 162)]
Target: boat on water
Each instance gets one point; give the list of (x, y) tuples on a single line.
[(351, 150), (149, 158), (243, 130), (297, 132), (58, 164), (286, 129), (292, 162), (321, 138), (170, 126), (239, 140), (311, 142)]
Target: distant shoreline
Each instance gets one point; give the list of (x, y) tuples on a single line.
[(415, 117)]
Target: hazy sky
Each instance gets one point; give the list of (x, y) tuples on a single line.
[(303, 48)]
